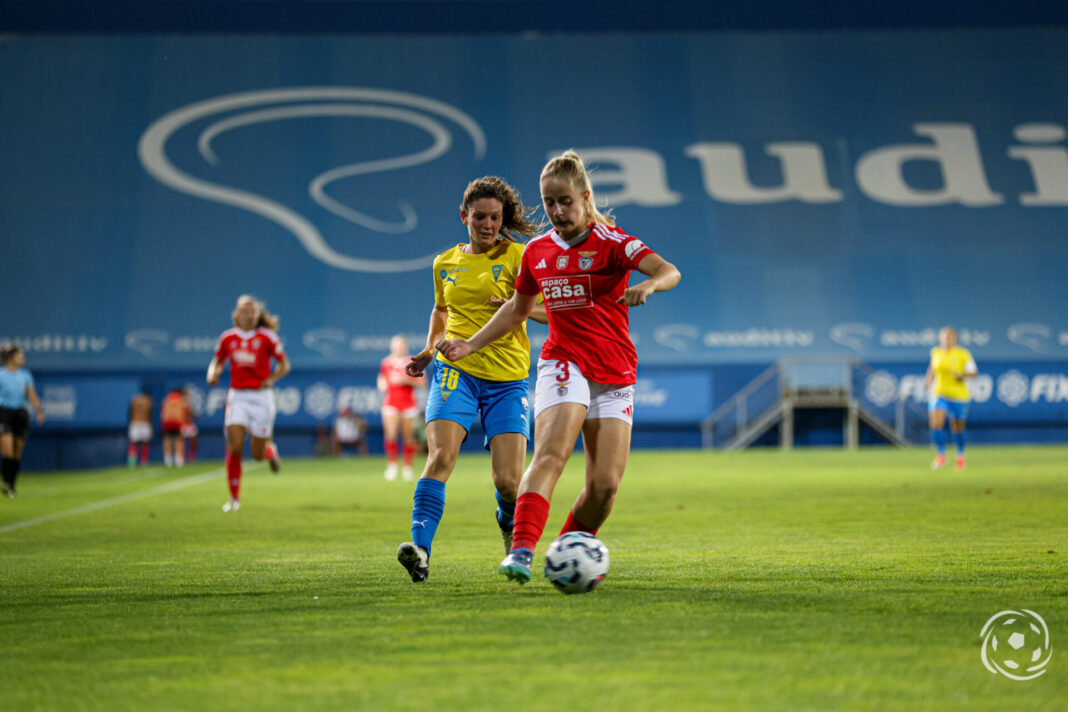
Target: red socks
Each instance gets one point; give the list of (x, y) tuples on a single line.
[(391, 450), (233, 473), (574, 525), (268, 451), (409, 454), (144, 454), (531, 513)]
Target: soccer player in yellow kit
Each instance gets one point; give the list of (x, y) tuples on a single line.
[(471, 282), (950, 368)]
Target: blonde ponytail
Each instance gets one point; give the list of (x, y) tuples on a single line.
[(570, 167)]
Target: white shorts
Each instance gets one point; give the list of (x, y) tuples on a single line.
[(406, 413), (140, 432), (563, 382), (254, 410)]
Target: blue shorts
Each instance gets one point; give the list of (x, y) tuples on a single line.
[(956, 410), (459, 397)]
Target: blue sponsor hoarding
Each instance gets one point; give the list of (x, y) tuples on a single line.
[(822, 192)]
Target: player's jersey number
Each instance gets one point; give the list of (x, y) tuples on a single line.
[(450, 379)]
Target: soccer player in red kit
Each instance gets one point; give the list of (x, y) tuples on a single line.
[(588, 365), (249, 347), (398, 406)]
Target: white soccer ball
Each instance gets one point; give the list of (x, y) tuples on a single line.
[(576, 562)]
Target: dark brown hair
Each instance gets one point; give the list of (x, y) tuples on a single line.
[(8, 352), (515, 216)]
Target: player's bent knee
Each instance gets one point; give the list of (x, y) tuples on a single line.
[(440, 461), (507, 484), (548, 462)]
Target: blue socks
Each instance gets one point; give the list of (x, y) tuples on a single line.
[(428, 505), (938, 437), (960, 439), (505, 513)]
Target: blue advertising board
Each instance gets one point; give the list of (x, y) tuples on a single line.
[(306, 399), (822, 192)]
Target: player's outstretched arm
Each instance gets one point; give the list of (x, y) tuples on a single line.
[(538, 313), (439, 317), (507, 318), (213, 372), (662, 276)]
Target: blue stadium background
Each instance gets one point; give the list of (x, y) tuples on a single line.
[(829, 180)]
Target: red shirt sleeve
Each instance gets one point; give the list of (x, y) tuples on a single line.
[(277, 350), (222, 349), (524, 281), (631, 251)]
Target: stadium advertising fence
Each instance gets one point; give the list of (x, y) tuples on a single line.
[(829, 192)]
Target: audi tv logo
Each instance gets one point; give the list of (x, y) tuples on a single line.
[(223, 114)]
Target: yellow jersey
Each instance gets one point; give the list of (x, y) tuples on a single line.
[(945, 363), (464, 284)]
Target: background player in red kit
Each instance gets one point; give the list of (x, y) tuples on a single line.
[(398, 406), (588, 365), (249, 347), (172, 418)]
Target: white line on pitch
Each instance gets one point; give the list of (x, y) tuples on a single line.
[(105, 503)]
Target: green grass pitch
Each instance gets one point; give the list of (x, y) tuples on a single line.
[(818, 580)]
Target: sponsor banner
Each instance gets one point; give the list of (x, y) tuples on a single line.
[(665, 397), (1024, 392), (85, 401), (322, 174)]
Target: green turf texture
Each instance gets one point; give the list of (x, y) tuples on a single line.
[(816, 580)]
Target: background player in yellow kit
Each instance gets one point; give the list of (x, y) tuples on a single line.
[(950, 368)]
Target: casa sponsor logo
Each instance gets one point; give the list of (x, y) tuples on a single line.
[(57, 343), (241, 357), (1016, 644), (203, 121), (571, 292)]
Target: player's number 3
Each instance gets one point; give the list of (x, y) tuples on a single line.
[(565, 372)]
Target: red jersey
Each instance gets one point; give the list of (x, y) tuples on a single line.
[(250, 354), (400, 391), (580, 285), (172, 412)]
